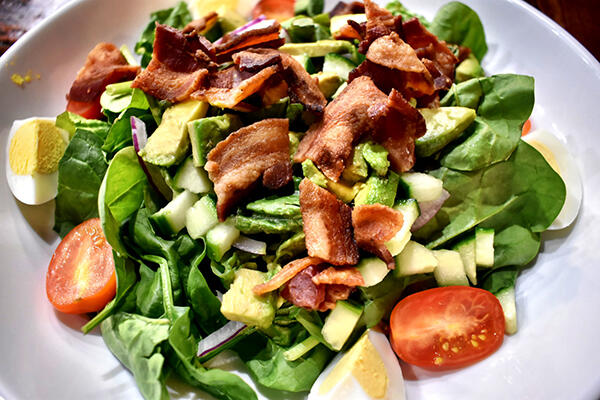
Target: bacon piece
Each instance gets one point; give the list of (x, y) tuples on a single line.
[(201, 25), (375, 224), (428, 46), (380, 22), (237, 163), (349, 32), (348, 276), (302, 291), (227, 88), (264, 34), (399, 124), (253, 61), (329, 142), (178, 67), (104, 65), (341, 8), (290, 270), (327, 225), (333, 293)]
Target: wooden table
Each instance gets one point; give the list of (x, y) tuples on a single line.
[(580, 17)]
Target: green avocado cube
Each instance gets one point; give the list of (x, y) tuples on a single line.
[(444, 124), (377, 157), (241, 304), (379, 189), (469, 69), (205, 133)]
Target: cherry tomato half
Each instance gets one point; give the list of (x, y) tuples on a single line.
[(280, 10), (81, 275), (89, 110), (448, 327)]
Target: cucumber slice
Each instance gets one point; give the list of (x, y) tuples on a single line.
[(220, 239), (484, 247), (171, 218), (420, 186), (201, 217), (450, 270), (509, 306), (306, 62), (466, 248), (373, 270), (192, 178), (415, 259), (340, 323), (338, 65), (410, 212)]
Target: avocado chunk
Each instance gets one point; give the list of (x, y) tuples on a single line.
[(377, 157), (229, 20), (444, 124), (344, 192), (205, 133), (379, 189), (241, 304), (340, 323), (358, 169), (319, 48), (170, 142), (469, 69), (328, 83)]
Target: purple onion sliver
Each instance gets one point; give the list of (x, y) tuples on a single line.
[(429, 209), (138, 133), (220, 337), (242, 28), (250, 245)]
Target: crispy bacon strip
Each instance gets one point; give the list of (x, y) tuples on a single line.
[(302, 87), (266, 34), (254, 61), (348, 32), (290, 270), (302, 291), (201, 25), (104, 65), (333, 293), (329, 143), (237, 163), (399, 124), (178, 67), (375, 224), (380, 22), (327, 225), (392, 52), (342, 8), (227, 88), (348, 276)]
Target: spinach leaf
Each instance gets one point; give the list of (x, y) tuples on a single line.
[(135, 340), (268, 366), (177, 17), (71, 122), (501, 279), (149, 293), (308, 7), (515, 245), (380, 299), (503, 104), (457, 23), (523, 190), (397, 8), (285, 206), (80, 173), (119, 135), (291, 247), (126, 278)]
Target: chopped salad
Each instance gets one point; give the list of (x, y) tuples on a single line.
[(296, 188)]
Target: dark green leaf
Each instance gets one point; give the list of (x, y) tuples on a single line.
[(71, 122), (515, 245), (500, 279), (267, 224)]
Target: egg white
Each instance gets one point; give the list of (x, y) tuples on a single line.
[(30, 189), (348, 388), (568, 171)]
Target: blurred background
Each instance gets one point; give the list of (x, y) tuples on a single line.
[(581, 18)]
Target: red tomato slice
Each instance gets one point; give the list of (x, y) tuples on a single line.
[(448, 327), (89, 110), (526, 127), (279, 10), (81, 275)]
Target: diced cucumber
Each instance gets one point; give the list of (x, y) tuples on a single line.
[(338, 65), (466, 248), (484, 247), (420, 186), (338, 21), (509, 306), (300, 349), (220, 239), (415, 259), (171, 218), (201, 217), (450, 270), (373, 270), (410, 212), (192, 178), (305, 61), (340, 323)]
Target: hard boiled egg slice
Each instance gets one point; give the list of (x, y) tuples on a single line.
[(557, 155), (369, 370), (34, 148)]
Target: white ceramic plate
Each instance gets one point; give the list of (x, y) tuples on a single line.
[(555, 354)]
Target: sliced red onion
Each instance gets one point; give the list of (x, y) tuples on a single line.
[(246, 27), (220, 337), (138, 133), (429, 209), (250, 245)]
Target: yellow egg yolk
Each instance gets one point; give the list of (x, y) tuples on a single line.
[(37, 146), (546, 153), (365, 364)]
